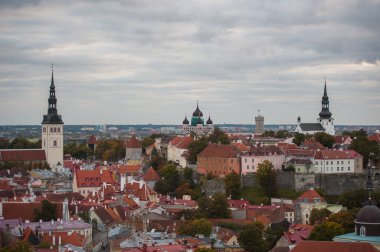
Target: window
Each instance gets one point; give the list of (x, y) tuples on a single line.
[(55, 143), (44, 129), (337, 168), (349, 168), (51, 130), (316, 162), (58, 129), (362, 231)]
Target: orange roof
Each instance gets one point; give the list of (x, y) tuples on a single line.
[(130, 202), (330, 246), (25, 210), (220, 151), (123, 169), (93, 178), (151, 175), (309, 196), (374, 137), (332, 154), (181, 142), (241, 146), (92, 140), (113, 214), (74, 238), (264, 220), (133, 143)]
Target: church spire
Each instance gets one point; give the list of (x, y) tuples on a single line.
[(52, 116), (325, 112), (369, 185)]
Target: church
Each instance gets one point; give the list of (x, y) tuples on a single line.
[(325, 123), (197, 126), (52, 131)]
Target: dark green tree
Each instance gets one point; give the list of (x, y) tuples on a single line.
[(318, 216), (251, 238), (365, 147), (170, 179), (346, 219), (195, 148), (232, 185), (47, 212), (195, 226), (326, 231), (299, 138), (217, 136), (325, 139), (218, 208), (266, 178)]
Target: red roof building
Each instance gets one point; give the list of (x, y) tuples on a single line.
[(310, 196), (375, 137), (23, 155), (329, 246), (133, 143), (151, 175), (86, 181)]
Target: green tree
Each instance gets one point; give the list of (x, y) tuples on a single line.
[(110, 150), (195, 148), (326, 231), (282, 134), (318, 216), (47, 212), (299, 138), (269, 133), (346, 219), (17, 246), (170, 179), (195, 226), (233, 185), (218, 208), (266, 176), (365, 147), (272, 235), (251, 238), (325, 139), (217, 136)]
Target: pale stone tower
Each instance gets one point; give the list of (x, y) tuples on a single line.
[(259, 124), (52, 131), (325, 118)]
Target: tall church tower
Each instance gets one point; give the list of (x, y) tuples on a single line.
[(325, 118), (52, 131)]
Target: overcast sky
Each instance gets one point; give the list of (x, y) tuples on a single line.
[(137, 62)]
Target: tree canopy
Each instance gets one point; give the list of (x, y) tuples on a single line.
[(217, 136), (326, 231), (110, 150), (325, 139), (195, 148), (47, 212), (318, 216), (233, 185), (266, 176), (346, 219), (365, 147), (195, 226), (215, 207), (251, 238), (80, 151)]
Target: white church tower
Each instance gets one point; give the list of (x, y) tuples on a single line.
[(325, 118), (52, 131)]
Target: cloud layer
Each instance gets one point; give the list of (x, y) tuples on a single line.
[(132, 62)]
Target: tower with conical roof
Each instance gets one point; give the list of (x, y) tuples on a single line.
[(325, 118), (52, 131)]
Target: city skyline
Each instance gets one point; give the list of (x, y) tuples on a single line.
[(141, 62)]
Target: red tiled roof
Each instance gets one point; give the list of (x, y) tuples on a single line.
[(123, 169), (71, 165), (267, 150), (353, 154), (92, 140), (181, 142), (238, 203), (25, 210), (133, 143), (298, 233), (374, 137), (309, 144), (310, 195), (22, 155), (340, 139), (130, 202), (330, 246), (93, 178), (332, 154), (151, 175), (74, 238), (104, 215), (299, 152), (287, 145), (241, 146), (220, 150)]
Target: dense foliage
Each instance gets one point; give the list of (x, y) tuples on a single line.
[(47, 212), (195, 226), (251, 238), (326, 231), (232, 185), (318, 216), (19, 143), (266, 178), (79, 151), (325, 139), (215, 207), (346, 219), (110, 150)]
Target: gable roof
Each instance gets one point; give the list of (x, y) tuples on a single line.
[(311, 127), (298, 233), (92, 140), (374, 137), (267, 150), (133, 143), (220, 151), (242, 147), (181, 142), (93, 178), (25, 210), (104, 215), (151, 175), (309, 196), (22, 155), (329, 246), (332, 154)]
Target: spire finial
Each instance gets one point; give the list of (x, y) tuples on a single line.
[(369, 186), (52, 75), (258, 111)]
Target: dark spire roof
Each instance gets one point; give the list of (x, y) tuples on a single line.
[(52, 116), (209, 121), (325, 112), (198, 112), (185, 121), (369, 185)]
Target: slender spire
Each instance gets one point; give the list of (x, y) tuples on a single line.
[(325, 92), (52, 115), (52, 77), (325, 112), (369, 186)]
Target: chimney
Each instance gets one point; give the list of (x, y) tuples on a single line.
[(53, 240), (59, 241)]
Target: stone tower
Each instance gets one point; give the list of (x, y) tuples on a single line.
[(259, 120), (52, 131)]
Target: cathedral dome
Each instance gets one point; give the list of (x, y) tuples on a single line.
[(368, 214), (185, 121), (198, 112), (209, 121)]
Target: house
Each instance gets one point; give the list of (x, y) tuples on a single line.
[(133, 149), (151, 177), (177, 148), (375, 137), (32, 157), (342, 142), (102, 217), (296, 234), (259, 154), (219, 160), (86, 181), (336, 162), (301, 165)]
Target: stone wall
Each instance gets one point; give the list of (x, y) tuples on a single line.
[(211, 187)]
